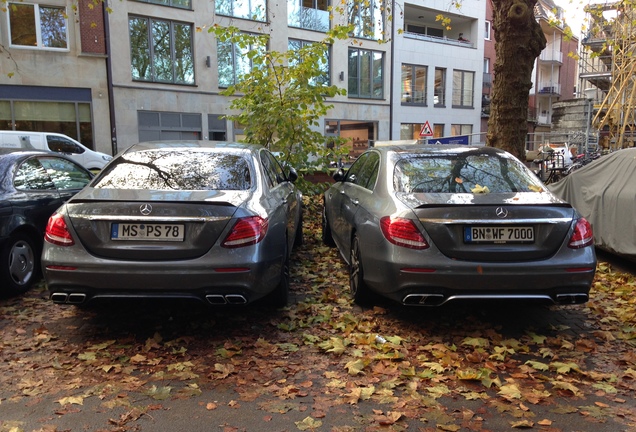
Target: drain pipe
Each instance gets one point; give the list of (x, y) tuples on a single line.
[(392, 71), (109, 80)]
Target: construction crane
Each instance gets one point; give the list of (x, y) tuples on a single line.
[(612, 42)]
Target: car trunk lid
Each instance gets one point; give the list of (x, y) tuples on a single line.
[(151, 225), (507, 227)]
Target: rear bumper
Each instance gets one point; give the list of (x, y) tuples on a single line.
[(210, 281), (437, 280)]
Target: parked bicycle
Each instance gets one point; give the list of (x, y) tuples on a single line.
[(583, 159), (551, 165)]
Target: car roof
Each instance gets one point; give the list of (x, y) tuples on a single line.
[(194, 144), (18, 152), (438, 149)]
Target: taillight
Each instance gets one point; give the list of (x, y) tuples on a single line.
[(246, 231), (57, 232), (582, 235), (402, 232)]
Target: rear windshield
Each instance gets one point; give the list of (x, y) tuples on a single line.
[(176, 170), (463, 173)]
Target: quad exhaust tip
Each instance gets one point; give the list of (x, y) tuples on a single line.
[(439, 299), (68, 298), (223, 299)]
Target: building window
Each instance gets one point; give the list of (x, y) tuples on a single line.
[(487, 31), (367, 19), (414, 84), (38, 26), (463, 89), (217, 127), (411, 131), (425, 30), (324, 66), (440, 87), (308, 14), (161, 51), (254, 10), (182, 4), (438, 130), (233, 62), (155, 125), (366, 74), (462, 129)]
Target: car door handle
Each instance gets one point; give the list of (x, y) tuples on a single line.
[(356, 202)]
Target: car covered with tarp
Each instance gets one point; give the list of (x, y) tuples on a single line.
[(604, 192)]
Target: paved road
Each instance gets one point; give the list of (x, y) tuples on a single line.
[(152, 366)]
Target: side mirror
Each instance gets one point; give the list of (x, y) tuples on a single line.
[(293, 175), (339, 175)]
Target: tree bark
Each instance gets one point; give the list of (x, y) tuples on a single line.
[(518, 42)]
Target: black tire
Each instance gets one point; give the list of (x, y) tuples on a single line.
[(298, 238), (19, 264), (279, 297), (360, 292), (327, 238)]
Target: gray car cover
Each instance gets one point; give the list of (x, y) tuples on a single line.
[(604, 192)]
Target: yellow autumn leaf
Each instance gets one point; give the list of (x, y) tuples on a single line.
[(355, 367), (562, 385), (523, 424), (535, 188), (510, 391), (538, 365), (224, 370), (74, 400), (308, 423), (476, 342), (480, 189)]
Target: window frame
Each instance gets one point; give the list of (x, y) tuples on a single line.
[(460, 94), (235, 54), (487, 30), (360, 80), (326, 70), (150, 51), (441, 94), (37, 26), (301, 15), (169, 3), (414, 78), (252, 14), (365, 28)]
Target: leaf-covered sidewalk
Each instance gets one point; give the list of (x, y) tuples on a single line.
[(322, 363)]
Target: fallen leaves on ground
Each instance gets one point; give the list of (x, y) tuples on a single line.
[(433, 368)]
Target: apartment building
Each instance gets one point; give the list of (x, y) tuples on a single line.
[(556, 69), (112, 75)]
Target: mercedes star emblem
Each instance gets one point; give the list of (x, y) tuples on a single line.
[(145, 209)]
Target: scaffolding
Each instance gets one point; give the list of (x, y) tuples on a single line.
[(609, 65)]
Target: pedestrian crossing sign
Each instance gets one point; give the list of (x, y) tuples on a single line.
[(426, 130)]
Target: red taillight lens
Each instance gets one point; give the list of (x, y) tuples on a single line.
[(402, 232), (56, 231), (582, 235), (246, 231)]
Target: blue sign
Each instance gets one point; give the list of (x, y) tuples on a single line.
[(463, 140)]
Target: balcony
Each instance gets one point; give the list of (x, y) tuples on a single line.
[(422, 24), (551, 56), (548, 89)]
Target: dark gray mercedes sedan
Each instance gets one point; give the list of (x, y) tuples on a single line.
[(427, 225), (214, 222)]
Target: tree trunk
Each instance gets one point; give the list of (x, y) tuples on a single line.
[(519, 41)]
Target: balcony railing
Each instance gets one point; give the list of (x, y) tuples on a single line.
[(549, 88), (438, 39), (551, 56)]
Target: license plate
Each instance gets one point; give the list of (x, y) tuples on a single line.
[(144, 231), (498, 234)]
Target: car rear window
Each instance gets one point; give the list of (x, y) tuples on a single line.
[(176, 170), (463, 173)]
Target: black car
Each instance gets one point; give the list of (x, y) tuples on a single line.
[(33, 184)]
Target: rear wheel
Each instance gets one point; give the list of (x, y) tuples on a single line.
[(278, 297), (19, 264), (327, 238), (298, 239), (359, 289)]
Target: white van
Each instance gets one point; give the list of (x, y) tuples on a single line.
[(56, 142)]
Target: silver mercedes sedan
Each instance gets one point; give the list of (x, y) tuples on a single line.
[(428, 225), (200, 220)]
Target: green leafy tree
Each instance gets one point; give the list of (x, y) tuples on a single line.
[(281, 99)]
